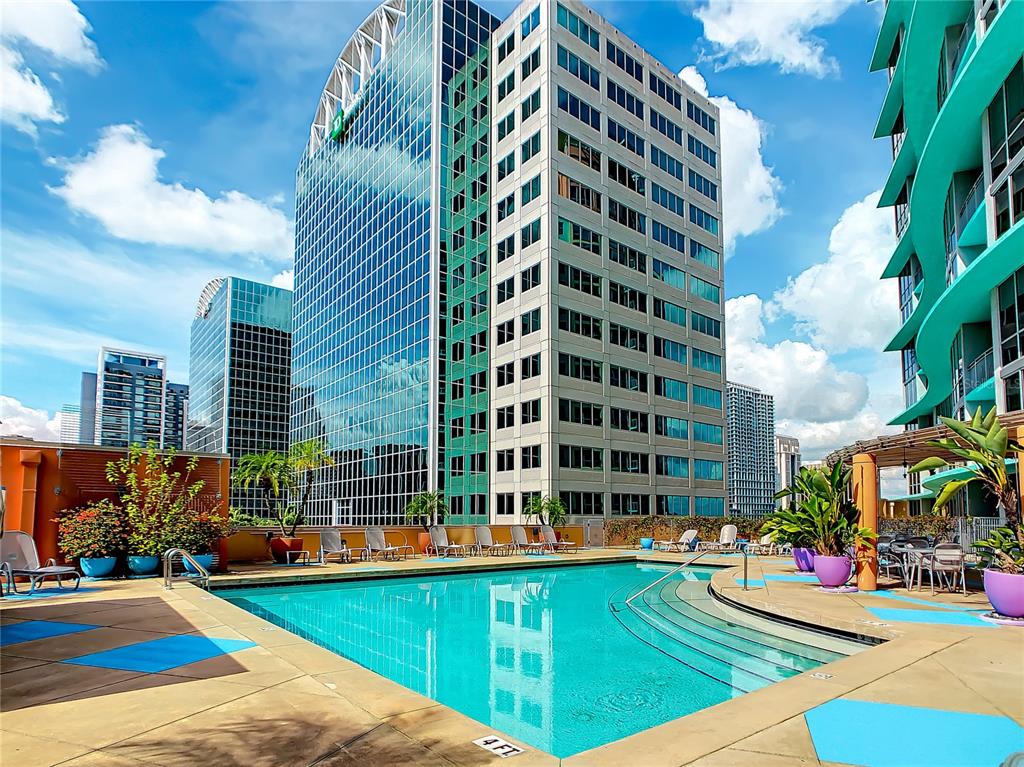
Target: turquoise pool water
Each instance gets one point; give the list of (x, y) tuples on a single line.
[(551, 657)]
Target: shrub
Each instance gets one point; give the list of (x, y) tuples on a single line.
[(939, 526), (196, 530), (96, 530), (627, 531)]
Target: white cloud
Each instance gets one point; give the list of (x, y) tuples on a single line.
[(17, 419), (24, 99), (56, 27), (780, 33), (118, 184), (285, 279), (842, 304), (750, 190)]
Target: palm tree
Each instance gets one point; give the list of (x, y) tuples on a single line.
[(305, 458), (547, 510), (270, 472), (427, 508)]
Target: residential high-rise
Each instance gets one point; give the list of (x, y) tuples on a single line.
[(130, 389), (787, 463), (751, 414), (508, 270), (70, 424), (240, 373), (175, 415)]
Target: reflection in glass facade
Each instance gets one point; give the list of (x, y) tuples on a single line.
[(240, 373)]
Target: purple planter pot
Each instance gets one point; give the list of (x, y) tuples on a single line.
[(832, 571), (1006, 593), (804, 559)]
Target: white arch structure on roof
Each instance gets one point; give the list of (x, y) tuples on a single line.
[(203, 305), (363, 53)]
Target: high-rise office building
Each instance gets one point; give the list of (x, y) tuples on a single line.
[(175, 415), (751, 414), (70, 424), (508, 276), (87, 409), (240, 373), (787, 463)]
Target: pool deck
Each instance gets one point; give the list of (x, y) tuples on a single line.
[(273, 698)]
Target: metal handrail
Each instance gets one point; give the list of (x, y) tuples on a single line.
[(666, 576), (169, 577)]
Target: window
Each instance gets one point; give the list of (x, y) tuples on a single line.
[(582, 504), (458, 351), (707, 469), (478, 382), (705, 290), (703, 254), (530, 233), (478, 227), (478, 423), (459, 202), (578, 150), (505, 47), (625, 378), (703, 219), (480, 149), (459, 130), (579, 279), (668, 426), (526, 497), (457, 465), (505, 460), (506, 86), (666, 310), (627, 504), (529, 367), (669, 274), (709, 507), (506, 165), (706, 361), (674, 505), (707, 432), (578, 457), (505, 505), (506, 248), (531, 21), (506, 331), (506, 290), (581, 324), (530, 321), (625, 99), (478, 343), (666, 162), (458, 314), (583, 413), (672, 466), (627, 338), (459, 166), (629, 420), (703, 185), (478, 304), (706, 325), (580, 236), (531, 147), (629, 462), (627, 256), (580, 368), (458, 427), (665, 91), (579, 193), (626, 176), (625, 137), (530, 277), (531, 63), (506, 207), (505, 374), (666, 127), (578, 27), (699, 116), (530, 456), (624, 61), (631, 298), (669, 201), (479, 187), (530, 191), (458, 389), (629, 218), (670, 350), (670, 388), (574, 65), (666, 235), (701, 151), (531, 411), (505, 417), (530, 104), (478, 463), (582, 111)]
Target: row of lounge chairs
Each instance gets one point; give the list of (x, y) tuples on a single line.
[(726, 542)]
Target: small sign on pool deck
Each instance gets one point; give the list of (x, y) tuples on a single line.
[(498, 746)]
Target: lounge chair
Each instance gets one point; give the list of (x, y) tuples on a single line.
[(19, 558), (524, 545), (548, 534), (485, 542), (726, 541), (332, 545), (377, 545), (683, 544), (765, 545), (443, 547)]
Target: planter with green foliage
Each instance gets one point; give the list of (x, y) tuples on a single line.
[(545, 510), (95, 534), (426, 510)]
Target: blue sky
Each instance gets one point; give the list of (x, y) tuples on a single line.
[(149, 147)]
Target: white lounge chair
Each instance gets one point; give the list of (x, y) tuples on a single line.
[(377, 545), (443, 547), (726, 541), (332, 545), (764, 545), (485, 542), (19, 558), (548, 534), (683, 544), (524, 545)]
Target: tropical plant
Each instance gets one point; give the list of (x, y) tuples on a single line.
[(789, 525), (985, 445), (95, 530), (546, 509), (197, 529), (271, 473), (305, 458), (426, 509)]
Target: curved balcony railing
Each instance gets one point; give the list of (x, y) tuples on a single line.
[(979, 371), (971, 202)]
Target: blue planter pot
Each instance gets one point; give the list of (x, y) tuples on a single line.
[(97, 567), (206, 560), (646, 543), (139, 565)]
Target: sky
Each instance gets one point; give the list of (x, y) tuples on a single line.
[(149, 147)]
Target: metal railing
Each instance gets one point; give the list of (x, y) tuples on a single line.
[(971, 529), (960, 47), (979, 371), (202, 577), (972, 200), (686, 564)]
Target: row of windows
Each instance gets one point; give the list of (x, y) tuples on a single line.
[(505, 416), (624, 99), (585, 458), (626, 176), (579, 279), (579, 193), (578, 27), (574, 65), (573, 105), (505, 459), (665, 91), (699, 116), (579, 150), (583, 503)]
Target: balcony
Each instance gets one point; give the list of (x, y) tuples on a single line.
[(979, 373), (902, 212), (971, 202)]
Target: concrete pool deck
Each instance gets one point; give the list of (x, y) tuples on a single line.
[(273, 698)]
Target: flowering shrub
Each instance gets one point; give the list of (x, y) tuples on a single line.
[(196, 530), (96, 530)]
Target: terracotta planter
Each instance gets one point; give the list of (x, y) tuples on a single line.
[(832, 572), (1006, 593), (423, 539), (280, 545), (803, 559)]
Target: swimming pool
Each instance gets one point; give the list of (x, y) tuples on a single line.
[(550, 656)]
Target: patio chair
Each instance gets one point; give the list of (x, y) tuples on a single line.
[(19, 557), (548, 534), (331, 545), (524, 545), (443, 547), (726, 541), (486, 545), (764, 545), (377, 545), (946, 558), (683, 544)]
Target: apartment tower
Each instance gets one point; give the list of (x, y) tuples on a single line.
[(751, 414), (787, 463)]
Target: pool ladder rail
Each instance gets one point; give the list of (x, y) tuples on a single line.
[(666, 576), (202, 579)]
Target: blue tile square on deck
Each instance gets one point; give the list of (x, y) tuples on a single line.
[(14, 633), (947, 617), (888, 735), (922, 602), (161, 654), (793, 578)]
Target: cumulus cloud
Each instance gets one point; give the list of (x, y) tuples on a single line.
[(285, 279), (118, 183), (750, 189), (824, 298), (18, 419), (24, 99), (780, 33)]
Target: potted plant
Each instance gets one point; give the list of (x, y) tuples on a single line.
[(790, 526), (426, 509), (985, 445), (546, 510), (197, 530), (94, 534), (271, 473)]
